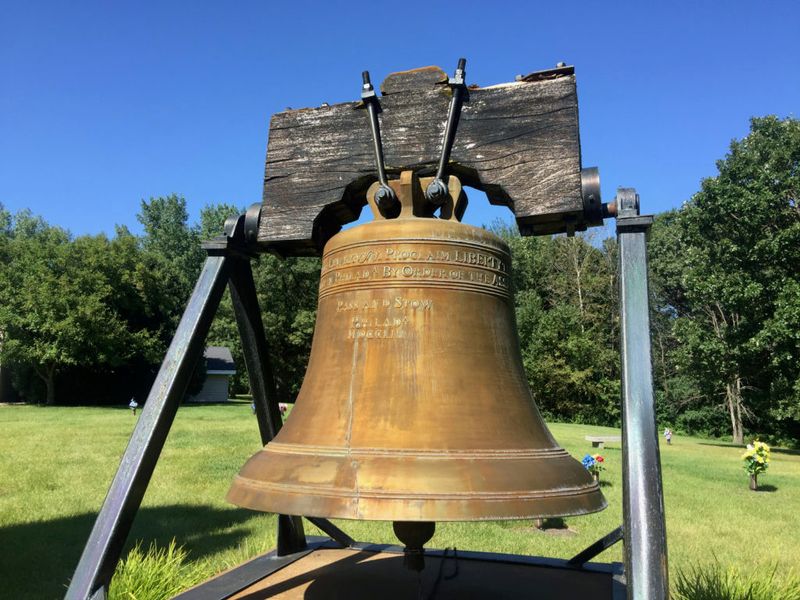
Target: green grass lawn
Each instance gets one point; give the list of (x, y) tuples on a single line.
[(56, 465)]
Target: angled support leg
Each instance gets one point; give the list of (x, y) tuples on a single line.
[(643, 501), (102, 551), (599, 546), (228, 259), (291, 537)]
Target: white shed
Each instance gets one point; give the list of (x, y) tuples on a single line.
[(219, 367)]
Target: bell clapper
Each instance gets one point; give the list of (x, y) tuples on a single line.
[(414, 535)]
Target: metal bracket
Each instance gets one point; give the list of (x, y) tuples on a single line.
[(384, 196), (560, 70), (437, 192), (640, 224)]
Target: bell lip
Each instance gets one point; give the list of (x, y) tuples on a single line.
[(476, 485), (587, 501)]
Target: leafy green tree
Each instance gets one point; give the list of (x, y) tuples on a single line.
[(577, 341), (679, 401), (565, 290), (94, 306), (5, 222), (287, 292), (728, 264), (57, 304), (168, 236), (213, 217)]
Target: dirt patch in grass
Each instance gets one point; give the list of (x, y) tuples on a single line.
[(555, 527)]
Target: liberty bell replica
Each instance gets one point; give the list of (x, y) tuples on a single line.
[(415, 406)]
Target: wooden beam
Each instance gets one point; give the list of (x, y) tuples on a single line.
[(518, 142)]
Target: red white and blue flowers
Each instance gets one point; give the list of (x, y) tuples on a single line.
[(594, 464)]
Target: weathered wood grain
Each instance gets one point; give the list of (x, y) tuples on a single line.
[(516, 141)]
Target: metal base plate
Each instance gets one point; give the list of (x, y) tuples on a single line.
[(371, 571)]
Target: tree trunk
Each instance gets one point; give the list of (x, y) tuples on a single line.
[(51, 389), (733, 389), (733, 397), (48, 375), (576, 264)]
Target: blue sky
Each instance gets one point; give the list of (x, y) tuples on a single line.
[(105, 103)]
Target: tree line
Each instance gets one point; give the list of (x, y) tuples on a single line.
[(89, 318), (725, 303)]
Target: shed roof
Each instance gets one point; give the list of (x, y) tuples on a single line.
[(219, 359)]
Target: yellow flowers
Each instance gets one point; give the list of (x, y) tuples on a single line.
[(756, 457)]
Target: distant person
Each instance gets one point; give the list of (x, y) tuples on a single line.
[(668, 436), (253, 407), (133, 405)]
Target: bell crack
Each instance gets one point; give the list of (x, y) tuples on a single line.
[(348, 436)]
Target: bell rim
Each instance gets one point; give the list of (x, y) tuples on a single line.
[(282, 501)]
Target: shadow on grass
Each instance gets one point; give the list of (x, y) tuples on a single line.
[(551, 523), (39, 558), (766, 488), (789, 451), (553, 526)]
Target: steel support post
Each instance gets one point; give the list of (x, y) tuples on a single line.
[(291, 537), (643, 501), (103, 549)]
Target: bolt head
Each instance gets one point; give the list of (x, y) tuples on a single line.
[(385, 198), (436, 192)]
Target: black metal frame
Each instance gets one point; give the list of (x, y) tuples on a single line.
[(228, 262), (642, 494), (246, 574)]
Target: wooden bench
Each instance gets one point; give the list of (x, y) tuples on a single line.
[(599, 441)]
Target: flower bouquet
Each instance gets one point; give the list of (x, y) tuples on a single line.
[(756, 461), (594, 464)]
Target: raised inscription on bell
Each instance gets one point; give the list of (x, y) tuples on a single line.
[(379, 303), (414, 263), (398, 254)]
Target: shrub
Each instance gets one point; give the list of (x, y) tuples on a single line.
[(714, 582), (702, 421), (156, 574)]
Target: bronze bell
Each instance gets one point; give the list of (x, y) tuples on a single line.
[(415, 405)]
